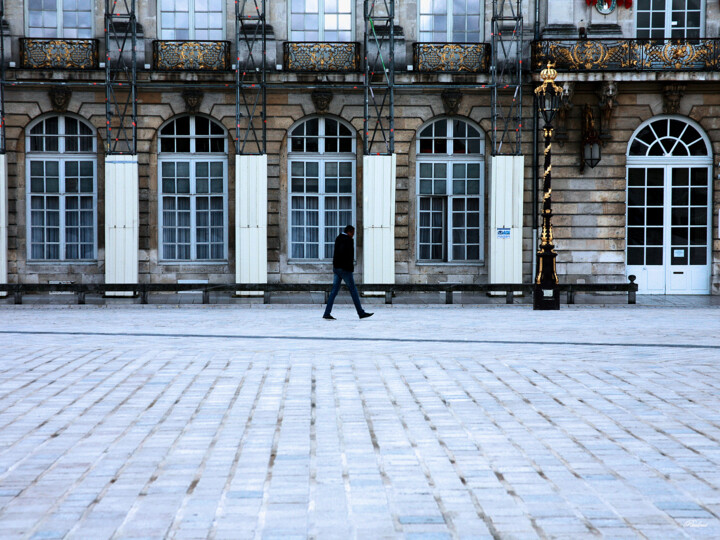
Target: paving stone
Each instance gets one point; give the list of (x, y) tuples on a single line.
[(428, 423)]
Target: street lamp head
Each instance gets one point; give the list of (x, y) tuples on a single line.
[(549, 95)]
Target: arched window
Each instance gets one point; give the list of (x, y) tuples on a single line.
[(61, 190), (669, 170), (193, 190), (321, 165), (186, 19), (450, 172)]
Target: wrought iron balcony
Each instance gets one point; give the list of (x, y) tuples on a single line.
[(321, 57), (628, 54), (59, 53), (451, 57), (191, 55)]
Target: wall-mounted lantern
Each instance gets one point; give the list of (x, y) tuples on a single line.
[(590, 147)]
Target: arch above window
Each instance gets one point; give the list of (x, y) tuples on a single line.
[(61, 134), (322, 135), (466, 138), (193, 135), (669, 136)]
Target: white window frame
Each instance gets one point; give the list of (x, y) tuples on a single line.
[(61, 156), (60, 27), (669, 18), (669, 162), (450, 158), (320, 157), (191, 23), (321, 22), (192, 158), (449, 22)]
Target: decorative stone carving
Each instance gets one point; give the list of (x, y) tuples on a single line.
[(607, 103), (451, 101), (59, 98), (193, 99), (321, 99), (672, 95), (565, 107)]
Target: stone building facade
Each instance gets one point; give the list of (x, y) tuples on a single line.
[(611, 220)]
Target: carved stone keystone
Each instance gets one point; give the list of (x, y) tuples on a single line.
[(451, 101), (193, 100), (59, 98), (672, 95), (321, 99)]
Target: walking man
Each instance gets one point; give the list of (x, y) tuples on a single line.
[(343, 266)]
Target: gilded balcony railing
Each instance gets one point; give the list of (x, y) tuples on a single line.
[(58, 53), (628, 54), (451, 57), (321, 57), (191, 55)]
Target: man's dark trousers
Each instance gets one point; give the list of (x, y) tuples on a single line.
[(339, 276)]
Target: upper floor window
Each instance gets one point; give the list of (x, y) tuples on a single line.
[(70, 19), (187, 19), (450, 21), (450, 186), (679, 19), (61, 190), (193, 190), (322, 185), (321, 20)]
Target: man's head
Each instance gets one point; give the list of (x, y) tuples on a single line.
[(349, 230)]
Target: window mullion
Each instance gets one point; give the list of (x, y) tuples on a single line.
[(321, 20), (193, 209), (322, 193), (449, 22)]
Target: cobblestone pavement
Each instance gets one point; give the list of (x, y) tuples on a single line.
[(430, 423)]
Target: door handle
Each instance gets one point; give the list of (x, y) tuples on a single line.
[(678, 272)]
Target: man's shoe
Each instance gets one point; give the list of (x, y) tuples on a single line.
[(366, 315), (329, 317)]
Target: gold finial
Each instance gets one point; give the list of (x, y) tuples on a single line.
[(549, 73)]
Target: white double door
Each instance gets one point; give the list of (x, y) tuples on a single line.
[(668, 234)]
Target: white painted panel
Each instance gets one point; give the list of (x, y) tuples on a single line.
[(121, 220), (251, 219), (3, 221), (379, 219), (505, 224)]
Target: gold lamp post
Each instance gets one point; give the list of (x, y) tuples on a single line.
[(547, 292)]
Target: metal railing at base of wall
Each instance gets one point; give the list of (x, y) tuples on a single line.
[(144, 289)]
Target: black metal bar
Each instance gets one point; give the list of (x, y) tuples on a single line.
[(388, 297), (448, 297), (509, 297), (206, 296)]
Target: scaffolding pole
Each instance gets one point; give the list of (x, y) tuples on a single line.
[(250, 78), (121, 76), (2, 76), (506, 77), (379, 82)]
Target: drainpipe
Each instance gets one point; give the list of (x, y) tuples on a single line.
[(535, 158)]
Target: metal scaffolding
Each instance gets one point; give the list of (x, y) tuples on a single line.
[(121, 76), (379, 81), (250, 78), (506, 77), (2, 77)]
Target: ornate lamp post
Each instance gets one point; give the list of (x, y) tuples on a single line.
[(547, 292)]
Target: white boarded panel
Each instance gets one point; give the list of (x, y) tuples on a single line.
[(121, 220), (379, 219), (251, 219), (3, 221), (506, 213)]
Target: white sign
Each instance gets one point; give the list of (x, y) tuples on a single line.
[(503, 234), (678, 252)]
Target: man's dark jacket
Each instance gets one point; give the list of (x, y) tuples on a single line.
[(344, 256)]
